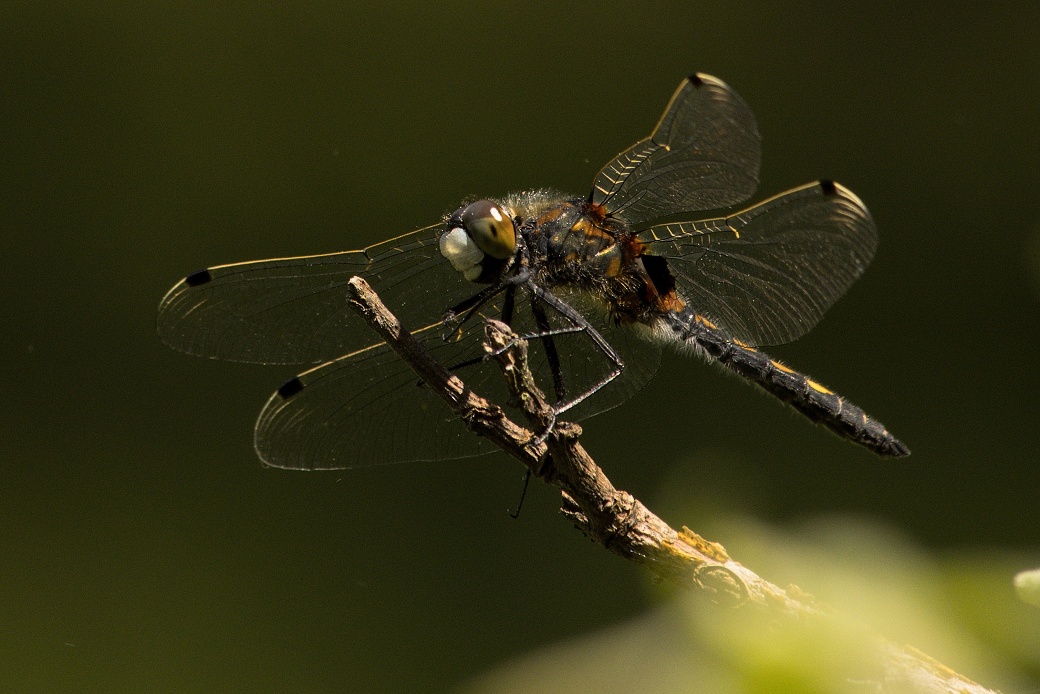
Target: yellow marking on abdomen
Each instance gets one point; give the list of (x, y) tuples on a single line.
[(783, 368), (818, 388), (704, 321)]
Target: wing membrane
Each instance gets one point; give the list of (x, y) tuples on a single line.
[(365, 408), (704, 154), (369, 407), (294, 310), (768, 273)]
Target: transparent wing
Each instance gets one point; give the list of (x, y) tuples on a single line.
[(365, 408), (768, 273), (704, 154), (294, 310), (369, 407)]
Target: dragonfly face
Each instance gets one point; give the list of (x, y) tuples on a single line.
[(600, 282), (479, 240)]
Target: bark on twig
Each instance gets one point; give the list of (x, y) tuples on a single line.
[(613, 517)]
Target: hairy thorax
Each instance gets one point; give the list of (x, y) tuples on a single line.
[(575, 244)]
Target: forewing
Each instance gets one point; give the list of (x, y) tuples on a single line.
[(768, 274), (704, 154), (294, 310)]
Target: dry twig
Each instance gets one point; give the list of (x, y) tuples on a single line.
[(613, 517)]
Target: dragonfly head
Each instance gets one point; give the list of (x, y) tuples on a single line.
[(479, 240)]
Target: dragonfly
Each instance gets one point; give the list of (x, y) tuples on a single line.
[(599, 283)]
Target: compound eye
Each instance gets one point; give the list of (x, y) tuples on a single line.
[(491, 228)]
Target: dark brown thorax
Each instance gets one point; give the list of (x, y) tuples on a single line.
[(587, 249)]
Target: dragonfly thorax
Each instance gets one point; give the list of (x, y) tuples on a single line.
[(576, 245)]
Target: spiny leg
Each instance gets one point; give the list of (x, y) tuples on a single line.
[(581, 324), (552, 355)]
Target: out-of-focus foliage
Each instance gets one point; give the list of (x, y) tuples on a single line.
[(1027, 584), (874, 581)]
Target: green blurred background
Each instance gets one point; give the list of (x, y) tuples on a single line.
[(142, 545)]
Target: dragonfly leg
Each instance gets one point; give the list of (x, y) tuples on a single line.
[(552, 355), (579, 324), (470, 307)]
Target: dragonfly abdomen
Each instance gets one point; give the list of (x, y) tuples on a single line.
[(812, 399)]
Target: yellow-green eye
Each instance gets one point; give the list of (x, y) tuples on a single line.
[(491, 228)]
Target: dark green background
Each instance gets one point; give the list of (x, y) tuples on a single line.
[(142, 545)]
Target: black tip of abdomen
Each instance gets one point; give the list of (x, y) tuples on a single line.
[(894, 448)]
